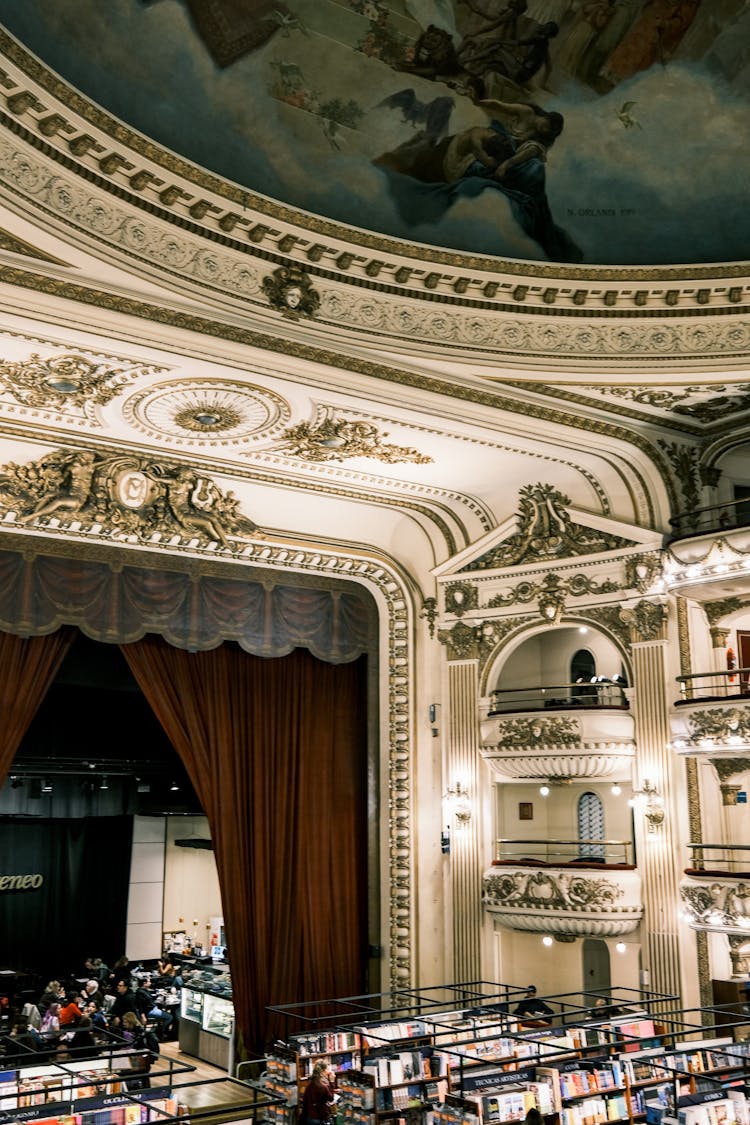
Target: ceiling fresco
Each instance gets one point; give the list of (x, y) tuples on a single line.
[(594, 131)]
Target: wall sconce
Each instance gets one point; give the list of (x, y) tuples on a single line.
[(458, 795), (652, 803)]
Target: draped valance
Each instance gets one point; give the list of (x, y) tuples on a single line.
[(120, 604)]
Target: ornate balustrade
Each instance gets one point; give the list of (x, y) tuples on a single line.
[(715, 893), (543, 892), (712, 719), (574, 741)]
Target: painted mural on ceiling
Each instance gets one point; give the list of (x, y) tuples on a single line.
[(594, 131)]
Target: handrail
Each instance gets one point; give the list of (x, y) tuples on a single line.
[(597, 692), (579, 851), (725, 683), (725, 861), (718, 517)]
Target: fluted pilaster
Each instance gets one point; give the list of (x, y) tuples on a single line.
[(462, 766)]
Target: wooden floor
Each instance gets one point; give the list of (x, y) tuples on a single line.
[(208, 1093)]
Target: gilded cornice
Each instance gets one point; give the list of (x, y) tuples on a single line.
[(128, 306), (57, 120)]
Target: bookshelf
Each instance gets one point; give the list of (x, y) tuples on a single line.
[(482, 1066)]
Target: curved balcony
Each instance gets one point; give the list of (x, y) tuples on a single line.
[(705, 560), (567, 888), (711, 519), (715, 892), (564, 731), (712, 715)]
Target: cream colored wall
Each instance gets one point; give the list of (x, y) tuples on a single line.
[(544, 659), (191, 885)]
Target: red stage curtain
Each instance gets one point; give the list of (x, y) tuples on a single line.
[(276, 751), (29, 665)]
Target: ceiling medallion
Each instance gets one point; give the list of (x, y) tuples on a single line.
[(207, 419), (128, 495), (69, 380), (337, 439), (207, 411)]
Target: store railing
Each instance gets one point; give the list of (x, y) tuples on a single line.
[(556, 852), (597, 692)]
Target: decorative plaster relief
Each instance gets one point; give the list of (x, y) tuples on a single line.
[(560, 901)]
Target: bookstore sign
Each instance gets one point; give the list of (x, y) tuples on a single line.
[(21, 882)]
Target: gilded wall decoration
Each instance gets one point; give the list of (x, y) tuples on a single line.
[(685, 460), (290, 291), (712, 401), (553, 890), (462, 642), (545, 531), (520, 734), (128, 495), (609, 617), (723, 903), (460, 597), (338, 439), (646, 620), (642, 571), (722, 607), (551, 593), (62, 382), (720, 724), (730, 767)]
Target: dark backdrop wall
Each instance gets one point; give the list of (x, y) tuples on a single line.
[(81, 904)]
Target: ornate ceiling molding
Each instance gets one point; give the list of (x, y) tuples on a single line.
[(59, 120), (102, 195)]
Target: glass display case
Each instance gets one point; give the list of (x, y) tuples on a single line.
[(207, 1017), (191, 1005), (218, 1015)]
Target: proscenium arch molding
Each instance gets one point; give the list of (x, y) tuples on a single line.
[(387, 638)]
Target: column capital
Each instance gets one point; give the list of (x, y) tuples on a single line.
[(646, 619)]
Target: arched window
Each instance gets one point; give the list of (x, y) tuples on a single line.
[(582, 671), (582, 666), (590, 826)]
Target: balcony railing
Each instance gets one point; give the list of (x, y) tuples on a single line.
[(569, 888), (719, 859), (598, 692), (715, 893), (700, 686), (558, 853), (711, 517)]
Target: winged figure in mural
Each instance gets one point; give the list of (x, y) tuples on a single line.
[(434, 116), (625, 115)]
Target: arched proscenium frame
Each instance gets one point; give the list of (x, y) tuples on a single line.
[(395, 690)]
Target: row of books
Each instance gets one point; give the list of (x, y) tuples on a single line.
[(131, 1113), (325, 1042), (591, 1079), (44, 1089), (592, 1111), (405, 1066), (719, 1112)]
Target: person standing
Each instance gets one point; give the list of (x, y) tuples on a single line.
[(319, 1095)]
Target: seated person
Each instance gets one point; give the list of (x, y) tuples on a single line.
[(71, 1011), (533, 1008)]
